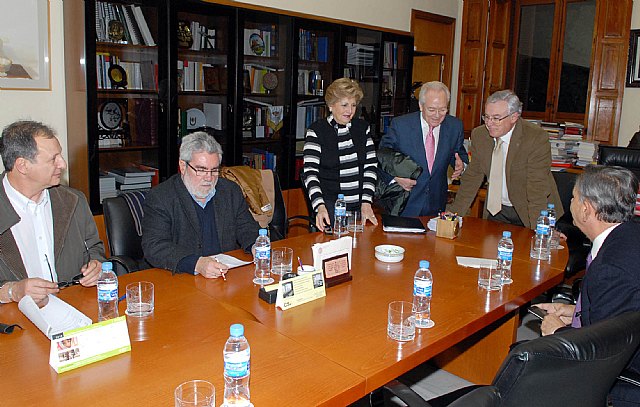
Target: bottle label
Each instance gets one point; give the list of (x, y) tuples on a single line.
[(340, 211), (422, 288), (542, 229), (505, 254), (263, 252), (108, 292), (552, 221), (236, 364)]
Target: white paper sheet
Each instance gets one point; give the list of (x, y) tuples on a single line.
[(333, 248), (55, 317), (476, 262), (230, 261)]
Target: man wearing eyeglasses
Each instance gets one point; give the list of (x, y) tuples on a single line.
[(515, 157), (434, 141), (194, 214), (48, 238)]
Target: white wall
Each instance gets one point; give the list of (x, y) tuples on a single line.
[(45, 106), (630, 119)]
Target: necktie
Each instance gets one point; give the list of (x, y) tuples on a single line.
[(494, 198), (576, 322), (430, 147)]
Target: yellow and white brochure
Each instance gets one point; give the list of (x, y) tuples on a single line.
[(299, 290), (89, 344)]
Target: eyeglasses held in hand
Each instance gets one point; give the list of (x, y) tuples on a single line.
[(74, 281), (202, 172), (494, 119)]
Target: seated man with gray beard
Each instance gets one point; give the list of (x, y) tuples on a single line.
[(195, 214)]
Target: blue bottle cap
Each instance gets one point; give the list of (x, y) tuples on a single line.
[(262, 232), (544, 213), (236, 330), (340, 196), (551, 206), (424, 264), (506, 233), (107, 265)]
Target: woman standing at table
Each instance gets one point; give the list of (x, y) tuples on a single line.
[(340, 157)]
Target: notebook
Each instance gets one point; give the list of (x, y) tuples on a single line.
[(402, 224)]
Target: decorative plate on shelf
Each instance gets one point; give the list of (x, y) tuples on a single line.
[(195, 119), (117, 76), (270, 81), (257, 44), (111, 116)]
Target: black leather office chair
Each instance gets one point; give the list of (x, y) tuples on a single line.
[(575, 367), (623, 157), (122, 221)]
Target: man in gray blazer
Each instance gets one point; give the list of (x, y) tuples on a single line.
[(194, 214), (47, 233)]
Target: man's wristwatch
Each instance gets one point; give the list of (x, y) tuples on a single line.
[(10, 285)]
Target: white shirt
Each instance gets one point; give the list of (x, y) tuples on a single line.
[(425, 133), (34, 232), (506, 140), (599, 240)]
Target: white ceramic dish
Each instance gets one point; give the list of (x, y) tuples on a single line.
[(389, 253)]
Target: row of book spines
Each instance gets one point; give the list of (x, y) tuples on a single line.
[(204, 38), (313, 47), (260, 159), (395, 56), (136, 29), (140, 75)]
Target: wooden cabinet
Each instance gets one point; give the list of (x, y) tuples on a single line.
[(254, 80)]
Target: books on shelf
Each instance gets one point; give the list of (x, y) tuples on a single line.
[(312, 47), (261, 42), (260, 159), (204, 38), (306, 115), (131, 172), (141, 75), (310, 82), (107, 186), (360, 54), (132, 19)]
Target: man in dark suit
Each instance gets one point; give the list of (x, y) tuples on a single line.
[(520, 180), (194, 214), (602, 207), (434, 140)]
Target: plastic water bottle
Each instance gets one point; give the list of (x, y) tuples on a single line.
[(340, 216), (237, 366), (540, 246), (422, 284), (107, 293), (505, 254), (551, 208), (263, 258)]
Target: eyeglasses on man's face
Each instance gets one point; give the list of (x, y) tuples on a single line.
[(494, 119), (201, 172)]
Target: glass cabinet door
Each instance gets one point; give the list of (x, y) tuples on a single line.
[(316, 55), (203, 69), (396, 78), (123, 119), (361, 61), (264, 92)]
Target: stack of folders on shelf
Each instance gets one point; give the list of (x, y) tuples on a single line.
[(136, 30), (402, 224), (360, 54), (107, 186), (132, 178)]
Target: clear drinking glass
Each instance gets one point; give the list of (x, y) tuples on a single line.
[(140, 299), (354, 221), (489, 278), (401, 324), (195, 393), (281, 260)]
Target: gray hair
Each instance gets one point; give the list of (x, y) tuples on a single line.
[(507, 95), (611, 190), (19, 140), (199, 142), (434, 86)]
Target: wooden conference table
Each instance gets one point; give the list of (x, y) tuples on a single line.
[(331, 351)]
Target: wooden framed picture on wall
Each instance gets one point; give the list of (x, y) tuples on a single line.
[(633, 64)]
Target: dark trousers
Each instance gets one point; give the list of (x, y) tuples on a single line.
[(507, 215)]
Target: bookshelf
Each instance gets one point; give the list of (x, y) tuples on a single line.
[(123, 59), (253, 79)]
